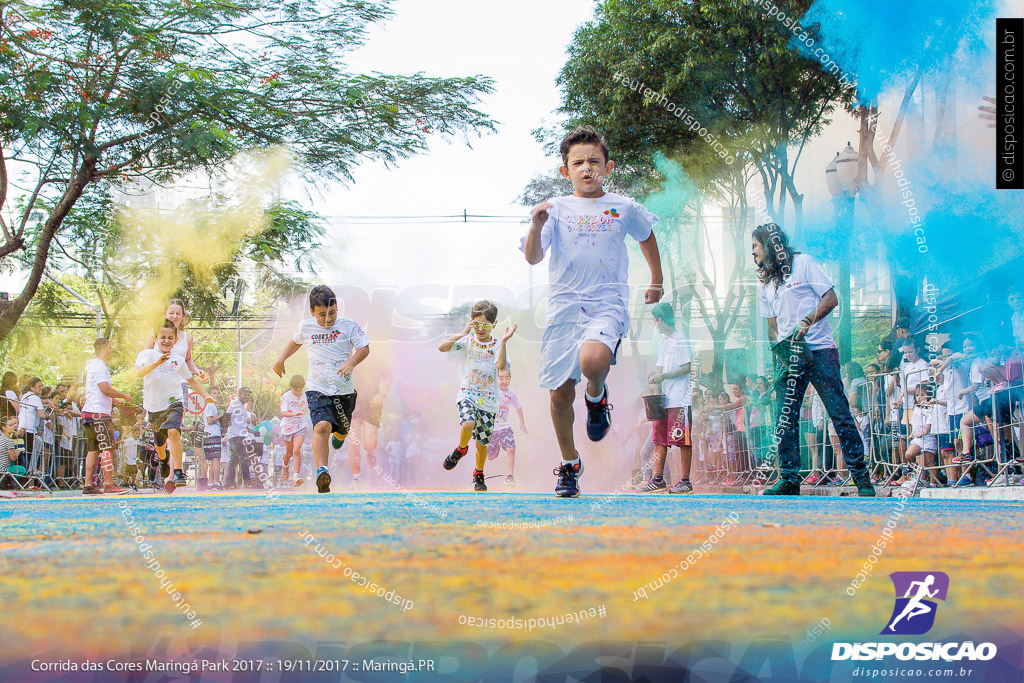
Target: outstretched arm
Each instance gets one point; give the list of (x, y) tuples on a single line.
[(649, 248), (289, 349)]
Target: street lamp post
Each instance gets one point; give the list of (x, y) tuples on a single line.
[(840, 176)]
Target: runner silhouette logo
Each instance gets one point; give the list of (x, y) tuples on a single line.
[(916, 595)]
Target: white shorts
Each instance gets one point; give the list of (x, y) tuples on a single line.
[(560, 345), (925, 444)]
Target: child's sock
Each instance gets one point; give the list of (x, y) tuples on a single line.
[(595, 399)]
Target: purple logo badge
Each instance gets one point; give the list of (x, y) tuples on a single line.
[(916, 593)]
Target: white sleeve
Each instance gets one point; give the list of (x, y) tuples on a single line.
[(298, 337), (358, 337), (816, 277), (764, 305), (460, 347), (143, 358), (640, 223)]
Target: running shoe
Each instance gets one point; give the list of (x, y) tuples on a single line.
[(814, 478), (179, 479), (510, 481), (569, 478), (599, 416), (452, 460), (652, 486), (478, 482), (963, 458), (682, 486), (114, 488), (91, 490), (169, 486), (165, 468), (965, 481), (354, 485), (299, 481), (323, 482), (783, 487), (216, 486), (865, 488)]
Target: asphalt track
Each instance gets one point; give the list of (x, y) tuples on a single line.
[(74, 579)]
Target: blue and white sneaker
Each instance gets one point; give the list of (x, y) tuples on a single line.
[(323, 482), (965, 480), (569, 479), (599, 416)]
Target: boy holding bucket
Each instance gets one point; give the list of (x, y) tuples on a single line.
[(671, 419)]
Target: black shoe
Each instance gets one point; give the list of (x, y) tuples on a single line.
[(323, 482), (865, 489), (569, 479), (783, 488), (179, 479), (165, 468), (599, 416), (478, 482), (452, 460)]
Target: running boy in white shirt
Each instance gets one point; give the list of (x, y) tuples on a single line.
[(503, 437), (587, 315), (480, 357), (294, 408), (335, 347), (163, 373)]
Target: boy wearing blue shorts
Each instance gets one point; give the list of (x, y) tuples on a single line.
[(587, 315), (335, 346)]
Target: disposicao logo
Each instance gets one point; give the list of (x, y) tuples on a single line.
[(912, 615)]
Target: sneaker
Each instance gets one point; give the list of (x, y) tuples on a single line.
[(478, 482), (510, 481), (337, 441), (169, 486), (813, 479), (652, 486), (354, 485), (965, 480), (452, 460), (999, 481), (216, 486), (783, 488), (681, 486), (323, 482), (179, 479), (865, 488), (599, 416), (165, 468), (962, 458), (299, 481), (113, 488), (1016, 479), (569, 479), (92, 491)]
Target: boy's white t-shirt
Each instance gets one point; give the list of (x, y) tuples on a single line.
[(162, 386), (796, 299), (978, 378), (28, 416), (239, 419), (478, 364), (674, 353), (588, 263), (327, 348), (290, 403), (507, 402), (214, 429), (96, 371), (130, 451)]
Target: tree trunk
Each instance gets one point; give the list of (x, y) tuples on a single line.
[(11, 312)]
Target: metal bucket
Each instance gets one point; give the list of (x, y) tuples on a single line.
[(654, 405)]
